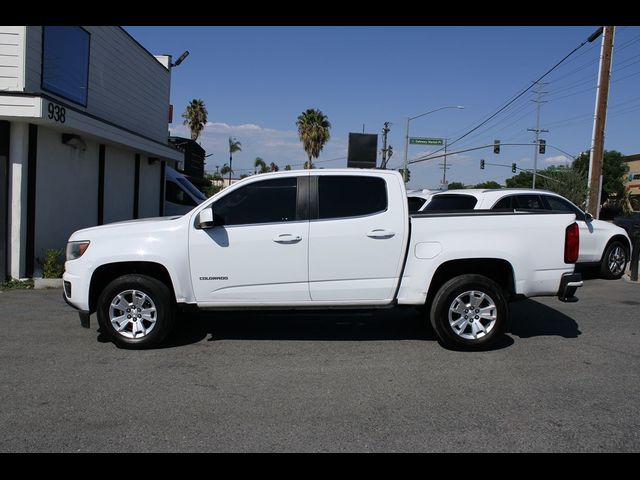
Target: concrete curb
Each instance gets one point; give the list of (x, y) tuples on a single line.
[(44, 283)]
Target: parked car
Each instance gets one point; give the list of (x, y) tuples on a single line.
[(320, 239), (631, 223), (181, 196), (418, 198), (602, 244)]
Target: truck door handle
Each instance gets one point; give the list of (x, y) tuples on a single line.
[(380, 233), (287, 238)]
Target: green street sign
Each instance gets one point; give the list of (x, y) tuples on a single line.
[(426, 141)]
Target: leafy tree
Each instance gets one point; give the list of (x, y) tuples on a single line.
[(488, 184), (571, 183), (313, 131), (273, 167), (287, 167), (195, 117), (614, 169), (455, 186), (522, 180)]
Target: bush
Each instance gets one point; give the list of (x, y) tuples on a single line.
[(51, 266)]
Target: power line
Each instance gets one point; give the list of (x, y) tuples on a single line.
[(590, 39)]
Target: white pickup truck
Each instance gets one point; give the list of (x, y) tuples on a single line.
[(320, 239)]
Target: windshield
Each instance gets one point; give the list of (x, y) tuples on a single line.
[(192, 189)]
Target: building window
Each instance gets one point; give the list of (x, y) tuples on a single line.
[(65, 62)]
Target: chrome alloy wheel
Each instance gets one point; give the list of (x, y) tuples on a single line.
[(617, 261), (472, 315), (132, 314)]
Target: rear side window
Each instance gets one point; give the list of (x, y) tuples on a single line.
[(342, 196), (452, 202), (504, 203), (528, 202), (415, 203), (267, 201)]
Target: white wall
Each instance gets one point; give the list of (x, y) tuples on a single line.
[(119, 178), (149, 194), (127, 85), (12, 58), (66, 191)]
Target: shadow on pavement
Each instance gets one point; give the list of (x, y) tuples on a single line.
[(528, 319), (532, 319), (405, 324)]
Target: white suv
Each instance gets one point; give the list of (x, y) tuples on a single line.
[(602, 244)]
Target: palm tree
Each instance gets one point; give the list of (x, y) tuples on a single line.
[(225, 169), (260, 163), (313, 131), (234, 146), (195, 117), (273, 167)]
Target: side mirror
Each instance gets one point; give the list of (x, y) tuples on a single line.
[(205, 218), (588, 217)]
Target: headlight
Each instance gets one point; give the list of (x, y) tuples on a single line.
[(76, 249)]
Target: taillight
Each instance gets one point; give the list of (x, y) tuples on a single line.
[(571, 243)]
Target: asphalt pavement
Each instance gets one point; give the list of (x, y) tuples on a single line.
[(565, 378)]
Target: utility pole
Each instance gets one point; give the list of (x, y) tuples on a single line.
[(386, 152), (599, 120), (444, 166), (537, 130)]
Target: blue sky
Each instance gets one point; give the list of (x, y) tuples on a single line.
[(255, 81)]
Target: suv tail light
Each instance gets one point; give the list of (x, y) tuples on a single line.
[(571, 243)]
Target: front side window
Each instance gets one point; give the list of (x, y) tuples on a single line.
[(451, 202), (65, 62), (341, 196), (266, 201), (562, 205)]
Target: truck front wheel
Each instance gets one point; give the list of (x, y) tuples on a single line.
[(469, 311), (136, 311)]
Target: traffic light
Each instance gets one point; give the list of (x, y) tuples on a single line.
[(496, 146), (481, 164), (513, 167), (401, 170), (542, 146)]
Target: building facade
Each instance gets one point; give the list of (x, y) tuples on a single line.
[(83, 136), (633, 179)]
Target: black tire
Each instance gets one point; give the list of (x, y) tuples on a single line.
[(448, 296), (163, 316), (614, 260)]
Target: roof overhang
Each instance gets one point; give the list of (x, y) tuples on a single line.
[(41, 110)]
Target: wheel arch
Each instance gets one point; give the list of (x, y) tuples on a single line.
[(108, 272), (620, 238), (496, 269)]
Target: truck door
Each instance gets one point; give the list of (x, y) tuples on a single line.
[(257, 253), (357, 236)]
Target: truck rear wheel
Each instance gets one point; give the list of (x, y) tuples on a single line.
[(136, 311), (469, 311)]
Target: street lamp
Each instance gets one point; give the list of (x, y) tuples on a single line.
[(406, 144)]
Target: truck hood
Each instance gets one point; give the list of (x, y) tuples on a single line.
[(125, 228)]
